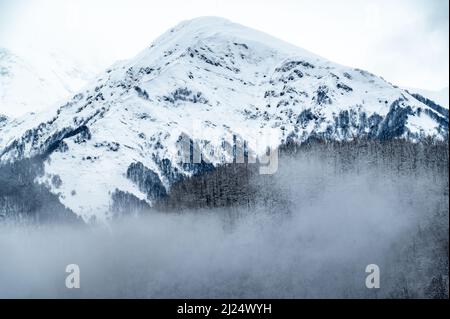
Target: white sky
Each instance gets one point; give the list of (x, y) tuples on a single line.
[(405, 41)]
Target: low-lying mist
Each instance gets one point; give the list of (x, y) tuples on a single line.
[(316, 245)]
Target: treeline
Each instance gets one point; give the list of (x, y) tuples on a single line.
[(396, 156), (225, 186), (237, 185)]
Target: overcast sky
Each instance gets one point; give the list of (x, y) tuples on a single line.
[(405, 41)]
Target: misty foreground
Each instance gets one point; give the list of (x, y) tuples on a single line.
[(309, 231)]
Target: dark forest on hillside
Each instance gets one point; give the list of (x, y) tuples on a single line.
[(238, 185)]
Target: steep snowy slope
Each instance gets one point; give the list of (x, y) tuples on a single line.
[(440, 97), (217, 83), (37, 81), (3, 120)]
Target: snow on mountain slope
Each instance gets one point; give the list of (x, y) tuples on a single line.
[(217, 83), (3, 120), (38, 81), (440, 97)]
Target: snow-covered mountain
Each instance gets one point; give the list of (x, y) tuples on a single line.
[(36, 81), (216, 82)]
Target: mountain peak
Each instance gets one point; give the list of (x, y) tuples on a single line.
[(212, 28), (209, 21)]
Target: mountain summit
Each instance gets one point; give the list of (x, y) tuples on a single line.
[(212, 81)]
